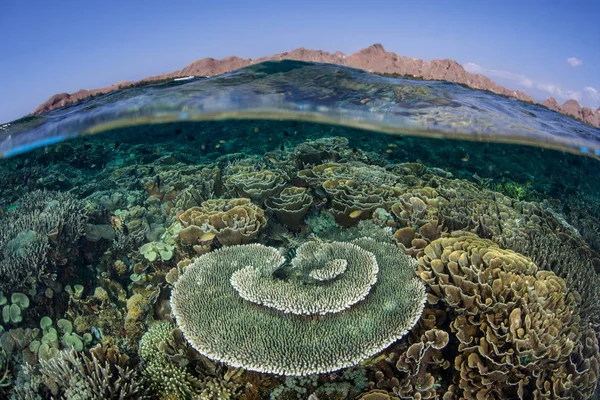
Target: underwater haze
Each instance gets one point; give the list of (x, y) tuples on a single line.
[(296, 230)]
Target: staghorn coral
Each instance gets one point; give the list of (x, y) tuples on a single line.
[(290, 206), (516, 325), (164, 377), (231, 221), (77, 376), (257, 185), (37, 234), (239, 333)]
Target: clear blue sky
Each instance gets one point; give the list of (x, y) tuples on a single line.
[(49, 47)]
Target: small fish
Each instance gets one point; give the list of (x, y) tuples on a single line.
[(207, 236), (158, 151), (217, 146), (355, 214), (392, 145), (222, 141), (464, 159), (255, 130), (389, 151)]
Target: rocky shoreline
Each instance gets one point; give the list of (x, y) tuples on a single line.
[(372, 59)]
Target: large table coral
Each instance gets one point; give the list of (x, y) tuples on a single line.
[(210, 306)]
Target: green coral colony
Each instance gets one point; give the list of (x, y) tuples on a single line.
[(312, 261)]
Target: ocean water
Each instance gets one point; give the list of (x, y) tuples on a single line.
[(299, 231)]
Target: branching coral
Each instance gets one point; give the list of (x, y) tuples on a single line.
[(164, 360), (163, 375), (34, 235), (239, 333), (96, 377)]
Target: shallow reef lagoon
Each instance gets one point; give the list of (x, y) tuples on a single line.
[(299, 231)]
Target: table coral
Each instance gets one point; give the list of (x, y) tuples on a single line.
[(239, 332)]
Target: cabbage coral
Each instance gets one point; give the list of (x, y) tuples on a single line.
[(219, 323)]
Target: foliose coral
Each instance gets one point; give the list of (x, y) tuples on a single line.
[(354, 189), (516, 325), (290, 206), (257, 185), (231, 221)]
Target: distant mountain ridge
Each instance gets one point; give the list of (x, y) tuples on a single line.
[(372, 59)]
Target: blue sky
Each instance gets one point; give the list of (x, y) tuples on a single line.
[(49, 47)]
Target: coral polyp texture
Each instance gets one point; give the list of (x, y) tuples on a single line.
[(303, 294), (343, 329)]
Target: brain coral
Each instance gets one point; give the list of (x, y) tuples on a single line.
[(222, 325)]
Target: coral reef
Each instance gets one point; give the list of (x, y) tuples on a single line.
[(204, 260), (355, 190), (257, 185)]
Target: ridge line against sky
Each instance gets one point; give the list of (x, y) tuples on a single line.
[(544, 49)]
